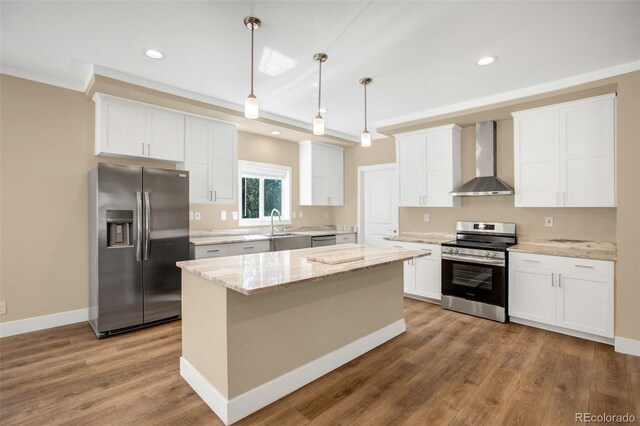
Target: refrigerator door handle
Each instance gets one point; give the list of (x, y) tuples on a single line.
[(138, 226), (147, 225)]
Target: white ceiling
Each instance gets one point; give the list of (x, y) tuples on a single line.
[(420, 54)]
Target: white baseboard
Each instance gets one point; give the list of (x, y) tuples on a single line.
[(562, 330), (627, 346), (230, 411), (28, 325)]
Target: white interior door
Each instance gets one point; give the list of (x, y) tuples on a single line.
[(378, 203)]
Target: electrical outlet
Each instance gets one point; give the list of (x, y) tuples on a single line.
[(235, 215), (295, 214), (326, 215), (426, 217), (223, 215), (196, 216), (3, 308), (548, 221)]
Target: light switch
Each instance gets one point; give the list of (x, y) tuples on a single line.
[(326, 215), (196, 216), (223, 215), (426, 217), (235, 215), (548, 221)]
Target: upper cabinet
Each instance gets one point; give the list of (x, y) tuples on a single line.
[(211, 157), (565, 154), (321, 174), (133, 129), (429, 166)]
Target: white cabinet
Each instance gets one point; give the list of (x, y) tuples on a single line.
[(321, 174), (570, 293), (429, 166), (564, 154), (132, 129), (229, 249), (422, 276), (211, 159), (345, 239)]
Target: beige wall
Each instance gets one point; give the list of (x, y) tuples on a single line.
[(47, 137), (263, 149), (47, 149), (609, 224)]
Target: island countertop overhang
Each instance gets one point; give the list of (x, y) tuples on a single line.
[(264, 272)]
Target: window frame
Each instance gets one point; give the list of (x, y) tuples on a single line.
[(262, 171)]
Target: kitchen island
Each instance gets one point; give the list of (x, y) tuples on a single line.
[(259, 326)]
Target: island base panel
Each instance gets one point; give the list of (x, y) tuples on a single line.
[(277, 342)]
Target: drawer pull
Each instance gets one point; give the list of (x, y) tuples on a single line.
[(425, 249), (397, 247), (213, 251), (533, 261), (248, 248), (583, 266)]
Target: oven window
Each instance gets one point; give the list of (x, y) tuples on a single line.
[(472, 276)]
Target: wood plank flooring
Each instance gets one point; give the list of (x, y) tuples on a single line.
[(448, 368)]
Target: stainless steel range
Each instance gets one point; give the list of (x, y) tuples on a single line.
[(474, 269)]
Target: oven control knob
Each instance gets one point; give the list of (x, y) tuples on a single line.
[(486, 254), (454, 251), (491, 254)]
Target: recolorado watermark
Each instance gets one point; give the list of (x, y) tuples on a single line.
[(605, 418)]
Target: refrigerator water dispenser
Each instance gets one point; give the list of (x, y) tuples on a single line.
[(119, 228)]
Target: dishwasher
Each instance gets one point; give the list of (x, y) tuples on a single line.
[(325, 240)]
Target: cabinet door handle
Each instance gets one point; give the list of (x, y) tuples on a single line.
[(533, 261), (213, 251), (583, 266), (142, 148), (559, 280), (210, 195), (248, 247), (149, 149), (215, 195), (397, 247), (553, 276)]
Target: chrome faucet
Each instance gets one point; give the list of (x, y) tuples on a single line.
[(279, 218)]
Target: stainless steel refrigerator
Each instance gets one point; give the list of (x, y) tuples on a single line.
[(138, 230)]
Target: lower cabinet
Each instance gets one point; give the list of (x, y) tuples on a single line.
[(345, 238), (422, 276), (570, 293), (229, 249)]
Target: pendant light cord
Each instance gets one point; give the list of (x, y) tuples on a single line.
[(252, 30), (365, 107), (319, 86)]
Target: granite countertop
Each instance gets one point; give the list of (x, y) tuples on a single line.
[(263, 272), (227, 239), (423, 238), (597, 250)]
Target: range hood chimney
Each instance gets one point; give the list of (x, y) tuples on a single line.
[(486, 182)]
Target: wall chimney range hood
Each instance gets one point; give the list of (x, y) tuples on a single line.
[(486, 182)]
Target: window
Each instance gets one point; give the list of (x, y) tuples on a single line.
[(264, 187)]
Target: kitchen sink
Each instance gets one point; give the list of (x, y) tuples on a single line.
[(289, 241)]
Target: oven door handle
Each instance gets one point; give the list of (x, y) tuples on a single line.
[(472, 259)]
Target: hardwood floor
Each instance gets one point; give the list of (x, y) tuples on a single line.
[(448, 368)]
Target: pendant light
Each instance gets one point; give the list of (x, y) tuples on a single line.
[(318, 121), (251, 106), (365, 137)]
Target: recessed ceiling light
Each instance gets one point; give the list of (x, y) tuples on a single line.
[(487, 60), (153, 53), (275, 132)]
